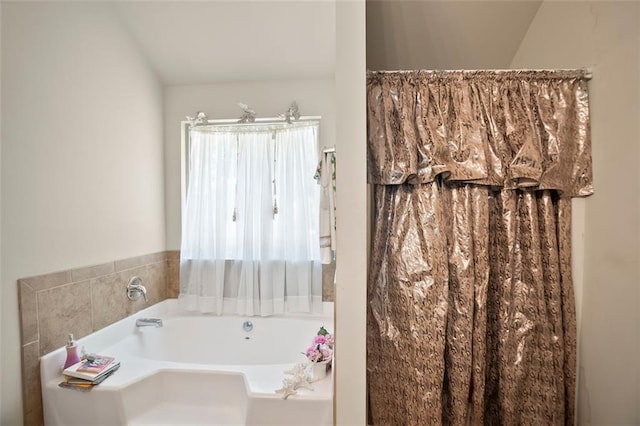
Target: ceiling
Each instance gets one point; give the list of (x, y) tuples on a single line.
[(219, 41), (198, 42)]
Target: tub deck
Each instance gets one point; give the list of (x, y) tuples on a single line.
[(149, 391)]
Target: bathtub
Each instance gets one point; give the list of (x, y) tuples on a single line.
[(196, 369)]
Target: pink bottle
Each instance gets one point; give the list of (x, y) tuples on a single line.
[(72, 352)]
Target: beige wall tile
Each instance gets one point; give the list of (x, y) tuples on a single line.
[(328, 287), (34, 418), (32, 400), (63, 310), (156, 282), (110, 302), (173, 255), (173, 278), (82, 274), (130, 263), (28, 313), (156, 257), (43, 282), (109, 299)]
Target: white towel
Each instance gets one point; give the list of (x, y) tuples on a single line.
[(328, 207)]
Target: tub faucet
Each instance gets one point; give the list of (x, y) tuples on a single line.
[(148, 322), (135, 289)]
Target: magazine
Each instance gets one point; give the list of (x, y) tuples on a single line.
[(92, 368)]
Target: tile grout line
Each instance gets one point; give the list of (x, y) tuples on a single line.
[(38, 320), (30, 343)]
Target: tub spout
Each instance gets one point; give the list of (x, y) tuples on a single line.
[(148, 322)]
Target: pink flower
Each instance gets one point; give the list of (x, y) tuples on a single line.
[(326, 353), (313, 354), (321, 350), (319, 340), (329, 340)]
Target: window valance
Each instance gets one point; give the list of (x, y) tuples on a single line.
[(511, 129)]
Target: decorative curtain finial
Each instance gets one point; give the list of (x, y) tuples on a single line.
[(199, 120), (248, 115), (292, 112)]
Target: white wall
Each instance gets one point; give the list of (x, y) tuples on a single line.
[(219, 101), (82, 154), (352, 223), (445, 34), (1, 334), (605, 37)]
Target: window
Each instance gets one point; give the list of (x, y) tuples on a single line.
[(250, 219)]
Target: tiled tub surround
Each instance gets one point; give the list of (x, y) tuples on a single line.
[(81, 301), (84, 300)]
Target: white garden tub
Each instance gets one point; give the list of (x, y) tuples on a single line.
[(196, 369)]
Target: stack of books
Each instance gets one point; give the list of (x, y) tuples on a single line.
[(86, 374)]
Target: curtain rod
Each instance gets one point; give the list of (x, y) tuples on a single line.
[(258, 121), (586, 73)]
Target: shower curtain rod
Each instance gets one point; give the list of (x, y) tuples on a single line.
[(587, 73), (258, 121)]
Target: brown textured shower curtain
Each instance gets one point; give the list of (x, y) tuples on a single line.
[(471, 316)]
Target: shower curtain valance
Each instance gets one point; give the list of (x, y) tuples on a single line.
[(509, 129)]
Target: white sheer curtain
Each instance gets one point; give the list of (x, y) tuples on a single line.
[(250, 222)]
